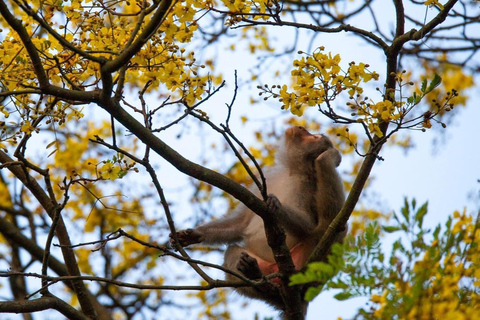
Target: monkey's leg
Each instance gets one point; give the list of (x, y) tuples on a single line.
[(249, 266), (238, 259)]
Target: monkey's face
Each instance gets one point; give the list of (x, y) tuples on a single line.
[(299, 138), (301, 145)]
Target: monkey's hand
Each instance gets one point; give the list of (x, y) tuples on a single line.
[(187, 237), (330, 157), (273, 204)]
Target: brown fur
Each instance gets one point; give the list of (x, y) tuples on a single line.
[(306, 185)]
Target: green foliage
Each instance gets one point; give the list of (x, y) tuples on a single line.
[(435, 83), (426, 272), (147, 66), (415, 98)]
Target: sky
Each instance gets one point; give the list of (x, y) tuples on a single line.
[(444, 174)]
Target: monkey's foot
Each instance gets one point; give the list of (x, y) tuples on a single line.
[(273, 204), (249, 267)]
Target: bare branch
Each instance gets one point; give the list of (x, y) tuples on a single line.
[(41, 304)]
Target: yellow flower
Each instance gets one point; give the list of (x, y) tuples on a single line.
[(5, 112), (434, 3), (373, 128), (288, 99), (426, 123), (376, 298), (355, 72), (27, 127), (109, 171), (184, 13), (298, 109)]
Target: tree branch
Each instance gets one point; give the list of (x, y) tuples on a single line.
[(49, 206), (37, 64), (152, 26), (41, 304), (275, 234), (28, 10)]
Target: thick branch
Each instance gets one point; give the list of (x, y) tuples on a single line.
[(41, 304), (61, 231), (343, 27), (442, 15), (9, 231), (27, 42), (147, 33), (37, 64), (275, 235), (400, 11)]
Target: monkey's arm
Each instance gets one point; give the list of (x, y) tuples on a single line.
[(331, 196), (228, 229), (297, 223)]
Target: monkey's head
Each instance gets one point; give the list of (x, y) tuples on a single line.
[(302, 148)]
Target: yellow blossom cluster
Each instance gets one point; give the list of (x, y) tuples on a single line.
[(110, 171), (77, 33), (5, 196), (443, 284), (249, 6), (374, 113), (319, 78), (163, 62), (453, 77), (350, 139)]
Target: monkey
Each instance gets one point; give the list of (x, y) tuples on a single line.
[(305, 184)]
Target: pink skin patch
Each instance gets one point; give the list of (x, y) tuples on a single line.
[(299, 253)]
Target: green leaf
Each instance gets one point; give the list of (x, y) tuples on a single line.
[(418, 99), (390, 229), (406, 213), (339, 284), (424, 85), (436, 232), (397, 245), (414, 99), (20, 59), (312, 293), (422, 211), (381, 256), (298, 278), (435, 83), (343, 296)]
